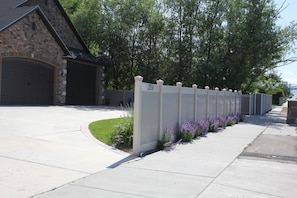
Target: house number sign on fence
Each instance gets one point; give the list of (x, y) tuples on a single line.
[(150, 87)]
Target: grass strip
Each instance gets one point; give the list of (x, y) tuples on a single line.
[(103, 129)]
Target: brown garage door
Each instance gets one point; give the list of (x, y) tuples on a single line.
[(81, 84), (26, 82)]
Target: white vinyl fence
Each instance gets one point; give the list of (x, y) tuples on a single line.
[(157, 107)]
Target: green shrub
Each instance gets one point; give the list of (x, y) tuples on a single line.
[(167, 140), (122, 137)]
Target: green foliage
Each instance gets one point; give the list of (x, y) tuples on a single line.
[(103, 129), (271, 83), (71, 6), (214, 42), (230, 122), (167, 141), (161, 144), (123, 134), (185, 136)]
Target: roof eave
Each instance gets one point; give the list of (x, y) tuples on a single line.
[(21, 3), (72, 26), (16, 20), (53, 31)]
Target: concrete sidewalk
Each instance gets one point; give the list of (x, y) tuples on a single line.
[(213, 166)]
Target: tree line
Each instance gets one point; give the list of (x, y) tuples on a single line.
[(227, 44)]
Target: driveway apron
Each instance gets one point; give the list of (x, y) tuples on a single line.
[(42, 148)]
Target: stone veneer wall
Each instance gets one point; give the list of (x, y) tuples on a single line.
[(58, 21), (292, 112), (100, 85), (20, 40)]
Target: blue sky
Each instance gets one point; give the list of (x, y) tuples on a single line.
[(289, 72)]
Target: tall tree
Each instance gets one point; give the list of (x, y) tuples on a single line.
[(71, 5), (212, 45), (255, 43), (182, 24), (209, 42)]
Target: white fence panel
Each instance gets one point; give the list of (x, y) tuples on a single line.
[(170, 107), (221, 98), (227, 103), (187, 104), (201, 104), (212, 103), (233, 104), (157, 107)]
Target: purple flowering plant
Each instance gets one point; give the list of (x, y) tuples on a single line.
[(231, 120), (187, 132), (167, 140), (234, 119), (202, 127), (194, 129), (214, 124)]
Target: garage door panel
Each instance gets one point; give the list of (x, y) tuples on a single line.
[(26, 82), (81, 84)]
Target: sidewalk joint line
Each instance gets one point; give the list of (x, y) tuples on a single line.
[(177, 173), (235, 187), (42, 164), (120, 192)]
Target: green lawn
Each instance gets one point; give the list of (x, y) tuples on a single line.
[(103, 129)]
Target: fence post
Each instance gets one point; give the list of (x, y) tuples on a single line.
[(240, 102), (255, 103), (160, 84), (137, 115), (217, 99), (230, 101), (179, 85), (195, 102), (262, 104), (207, 100), (224, 105), (235, 95), (251, 105)]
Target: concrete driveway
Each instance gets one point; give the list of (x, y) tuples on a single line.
[(42, 148)]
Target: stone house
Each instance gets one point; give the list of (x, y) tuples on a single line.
[(43, 59)]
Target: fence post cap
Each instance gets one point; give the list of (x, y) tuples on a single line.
[(230, 90), (217, 89), (224, 89), (138, 78), (160, 82), (179, 84), (194, 86), (235, 91), (206, 87)]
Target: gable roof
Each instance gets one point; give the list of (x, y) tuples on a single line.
[(11, 11), (71, 25), (8, 13)]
